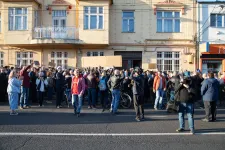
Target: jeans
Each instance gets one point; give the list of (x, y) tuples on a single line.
[(159, 98), (92, 96), (77, 103), (189, 108), (50, 93), (24, 96), (68, 94), (104, 98), (115, 100)]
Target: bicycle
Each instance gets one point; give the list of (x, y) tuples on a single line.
[(125, 100)]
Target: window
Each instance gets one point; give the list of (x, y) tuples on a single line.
[(24, 58), (1, 59), (128, 21), (60, 59), (17, 18), (36, 18), (93, 18), (168, 61), (168, 21), (217, 20), (95, 54)]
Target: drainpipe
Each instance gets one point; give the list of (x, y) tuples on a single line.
[(198, 40)]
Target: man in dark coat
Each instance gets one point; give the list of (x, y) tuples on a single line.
[(138, 93)]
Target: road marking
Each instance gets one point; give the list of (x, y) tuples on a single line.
[(105, 134)]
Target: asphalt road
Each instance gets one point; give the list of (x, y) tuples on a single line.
[(116, 132)]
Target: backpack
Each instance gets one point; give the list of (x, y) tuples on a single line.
[(102, 84)]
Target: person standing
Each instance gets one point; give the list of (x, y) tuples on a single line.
[(60, 81), (210, 92), (13, 91), (92, 90), (25, 87), (77, 90), (41, 84), (103, 90), (159, 86), (185, 96), (33, 89), (68, 82), (3, 83), (50, 85), (114, 85), (138, 93)]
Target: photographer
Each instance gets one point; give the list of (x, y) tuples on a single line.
[(184, 95)]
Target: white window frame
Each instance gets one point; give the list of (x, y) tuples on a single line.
[(99, 53), (89, 14), (36, 17), (163, 58), (1, 59), (29, 58), (55, 58), (167, 18), (223, 21), (128, 21), (14, 18)]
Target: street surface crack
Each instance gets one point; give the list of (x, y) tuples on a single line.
[(24, 143)]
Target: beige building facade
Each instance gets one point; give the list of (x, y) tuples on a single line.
[(156, 32)]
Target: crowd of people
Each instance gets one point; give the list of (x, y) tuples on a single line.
[(181, 89)]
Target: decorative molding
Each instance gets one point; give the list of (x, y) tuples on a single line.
[(170, 3), (59, 3)]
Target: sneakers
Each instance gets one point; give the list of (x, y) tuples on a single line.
[(142, 118), (21, 107), (180, 130), (27, 107), (89, 107), (137, 119), (13, 114), (155, 108), (58, 107), (205, 120)]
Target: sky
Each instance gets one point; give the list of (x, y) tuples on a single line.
[(211, 0)]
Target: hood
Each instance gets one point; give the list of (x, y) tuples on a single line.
[(212, 80)]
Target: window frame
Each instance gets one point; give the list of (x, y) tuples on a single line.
[(174, 58), (63, 58), (90, 54), (29, 58), (128, 21), (89, 14), (14, 15), (216, 20), (163, 18)]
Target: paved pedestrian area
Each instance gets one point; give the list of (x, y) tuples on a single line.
[(51, 128)]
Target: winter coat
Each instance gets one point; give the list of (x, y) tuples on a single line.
[(210, 89), (14, 85)]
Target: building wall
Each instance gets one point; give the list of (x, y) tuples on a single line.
[(206, 32)]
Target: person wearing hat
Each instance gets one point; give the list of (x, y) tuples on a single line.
[(41, 84), (138, 93)]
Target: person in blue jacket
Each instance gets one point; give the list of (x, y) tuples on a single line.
[(210, 92)]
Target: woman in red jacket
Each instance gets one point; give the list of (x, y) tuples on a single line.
[(77, 90)]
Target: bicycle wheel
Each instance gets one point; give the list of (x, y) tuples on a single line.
[(125, 100)]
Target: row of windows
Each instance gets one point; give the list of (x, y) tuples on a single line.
[(95, 54), (217, 20), (167, 21)]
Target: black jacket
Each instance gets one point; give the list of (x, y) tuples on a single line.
[(139, 85), (185, 95)]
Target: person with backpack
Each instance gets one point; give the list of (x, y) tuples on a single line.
[(103, 90), (42, 84)]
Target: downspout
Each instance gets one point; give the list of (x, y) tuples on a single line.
[(77, 30), (198, 39)]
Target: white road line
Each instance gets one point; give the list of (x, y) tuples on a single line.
[(105, 134)]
